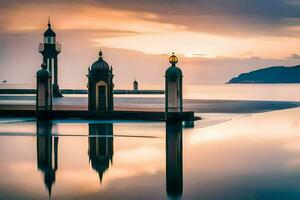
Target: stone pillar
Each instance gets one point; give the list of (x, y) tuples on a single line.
[(43, 92)]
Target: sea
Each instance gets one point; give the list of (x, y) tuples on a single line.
[(239, 150)]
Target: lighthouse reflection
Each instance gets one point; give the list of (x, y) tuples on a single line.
[(47, 146), (174, 172), (101, 147)]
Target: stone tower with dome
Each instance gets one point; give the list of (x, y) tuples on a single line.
[(100, 86)]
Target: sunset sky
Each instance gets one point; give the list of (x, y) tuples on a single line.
[(214, 39)]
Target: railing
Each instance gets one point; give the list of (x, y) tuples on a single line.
[(42, 47)]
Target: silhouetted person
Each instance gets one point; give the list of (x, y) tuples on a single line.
[(174, 177), (47, 146), (101, 147)]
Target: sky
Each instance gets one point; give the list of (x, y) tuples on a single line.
[(214, 40)]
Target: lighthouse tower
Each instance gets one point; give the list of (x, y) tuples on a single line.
[(50, 49)]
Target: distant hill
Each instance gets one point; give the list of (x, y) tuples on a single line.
[(278, 74)]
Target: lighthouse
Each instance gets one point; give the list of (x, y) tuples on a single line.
[(50, 50)]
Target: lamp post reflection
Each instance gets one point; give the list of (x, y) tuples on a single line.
[(47, 146), (174, 172), (101, 147)]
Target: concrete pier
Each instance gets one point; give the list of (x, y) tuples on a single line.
[(114, 115), (77, 91)]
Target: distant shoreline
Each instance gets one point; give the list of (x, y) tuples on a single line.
[(270, 75), (261, 83)]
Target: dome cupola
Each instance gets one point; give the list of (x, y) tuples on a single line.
[(100, 66), (43, 72), (49, 32), (173, 70)]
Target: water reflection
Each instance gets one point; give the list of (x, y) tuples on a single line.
[(47, 153), (101, 147), (254, 163), (174, 172), (101, 151)]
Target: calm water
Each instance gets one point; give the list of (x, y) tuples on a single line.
[(244, 158), (276, 92), (225, 156)]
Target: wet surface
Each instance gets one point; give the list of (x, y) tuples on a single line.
[(222, 157), (153, 104)]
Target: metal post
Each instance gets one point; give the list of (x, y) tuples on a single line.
[(55, 72)]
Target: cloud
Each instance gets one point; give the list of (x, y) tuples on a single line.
[(256, 57), (223, 38), (20, 61), (233, 17), (294, 56)]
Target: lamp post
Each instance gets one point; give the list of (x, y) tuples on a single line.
[(173, 91), (43, 92)]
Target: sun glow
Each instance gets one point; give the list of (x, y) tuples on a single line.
[(195, 55), (144, 32)]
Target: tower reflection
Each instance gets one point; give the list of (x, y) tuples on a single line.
[(47, 146), (101, 148), (174, 172)]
